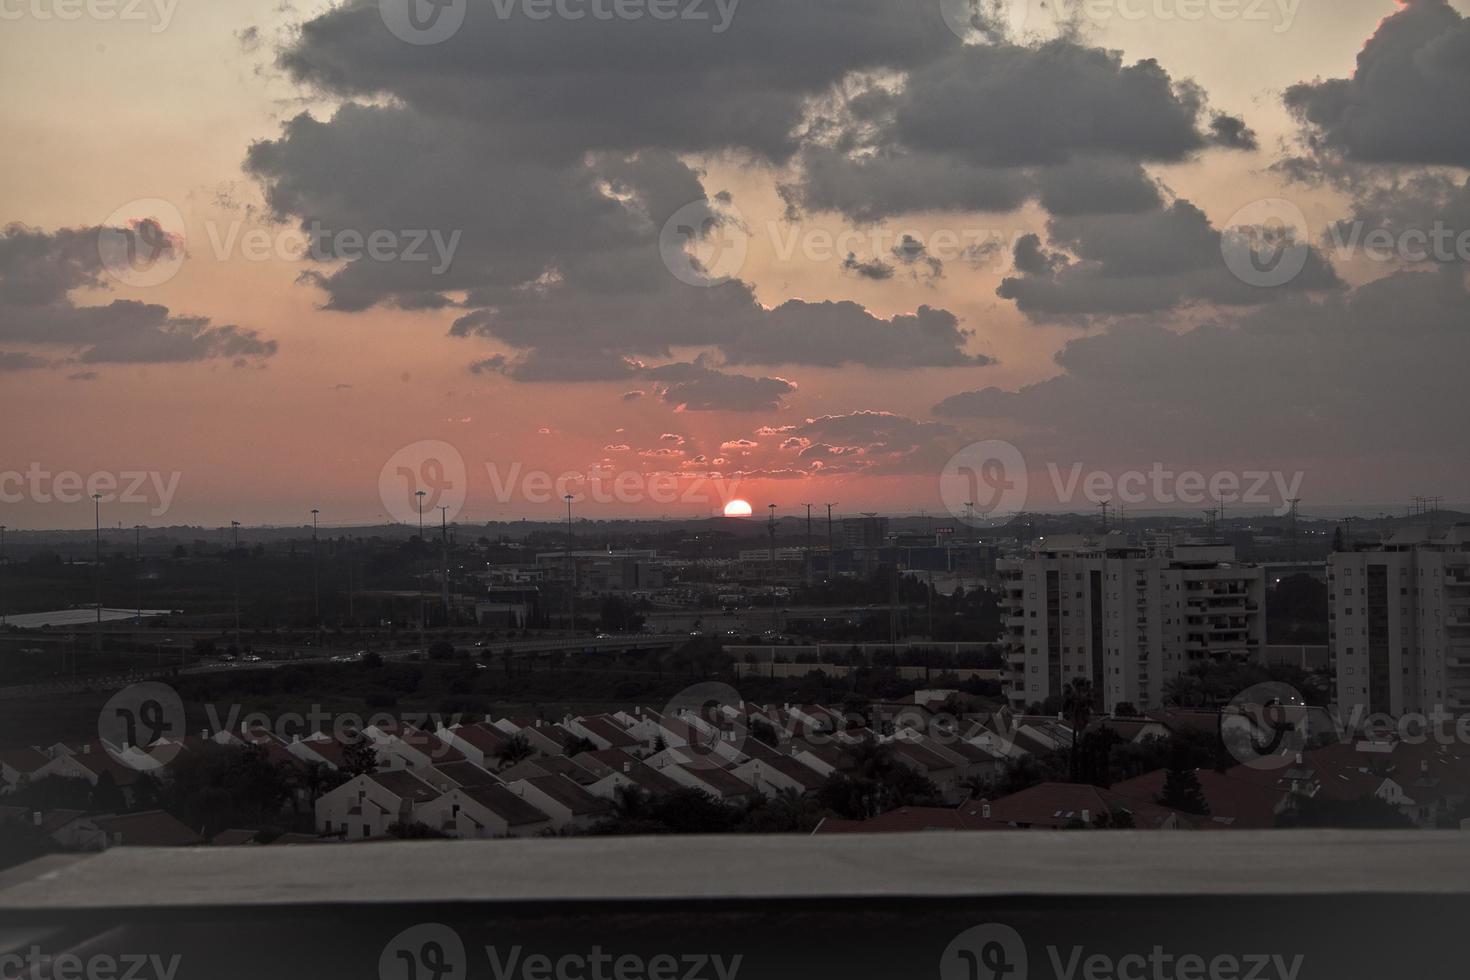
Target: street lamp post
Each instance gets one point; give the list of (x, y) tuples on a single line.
[(235, 561), (444, 555), (571, 572), (423, 649), (97, 568), (2, 576), (138, 576), (316, 593)]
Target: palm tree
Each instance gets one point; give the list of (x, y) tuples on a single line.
[(1077, 706)]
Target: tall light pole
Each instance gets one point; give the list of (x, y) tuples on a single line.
[(444, 552), (316, 592), (571, 571), (423, 648), (138, 560), (808, 542), (831, 552), (2, 576), (97, 569), (771, 530), (235, 561)]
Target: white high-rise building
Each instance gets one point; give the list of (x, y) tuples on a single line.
[(1400, 624), (1101, 608)]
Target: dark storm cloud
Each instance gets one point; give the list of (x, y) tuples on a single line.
[(552, 146), (1151, 262), (39, 270), (565, 86), (1369, 372), (981, 128), (1097, 185), (1405, 101)]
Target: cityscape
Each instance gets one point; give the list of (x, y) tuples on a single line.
[(620, 489)]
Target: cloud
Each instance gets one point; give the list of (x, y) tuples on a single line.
[(1355, 375), (932, 141), (564, 86), (11, 361), (1149, 262), (697, 388), (1397, 107), (875, 269), (39, 272)]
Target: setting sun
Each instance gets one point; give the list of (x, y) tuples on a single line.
[(737, 508)]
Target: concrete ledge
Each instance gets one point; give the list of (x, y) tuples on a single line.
[(740, 868)]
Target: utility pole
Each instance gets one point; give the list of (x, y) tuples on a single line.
[(1209, 525), (444, 548), (97, 571), (571, 572)]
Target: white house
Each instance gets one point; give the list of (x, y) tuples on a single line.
[(567, 804), (489, 810), (365, 806)]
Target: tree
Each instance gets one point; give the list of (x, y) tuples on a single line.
[(517, 749), (107, 795), (1337, 542), (576, 745), (1366, 813), (1182, 790), (359, 756), (1077, 706)]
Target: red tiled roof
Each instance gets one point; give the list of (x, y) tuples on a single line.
[(570, 795), (467, 774), (151, 828), (1059, 805), (490, 741), (405, 785), (500, 801), (609, 731), (1233, 802), (914, 819), (24, 759)]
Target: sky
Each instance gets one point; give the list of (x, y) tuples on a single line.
[(953, 256)]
